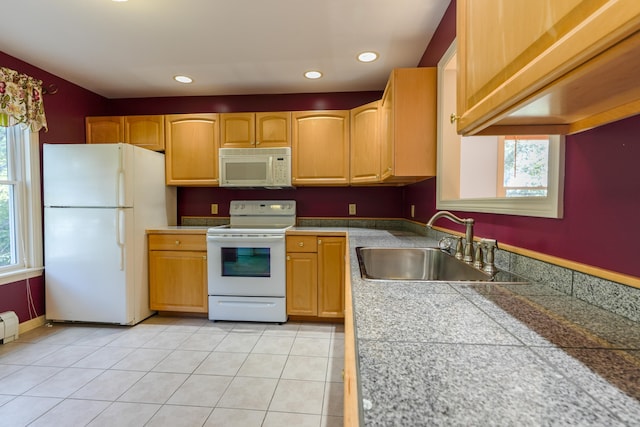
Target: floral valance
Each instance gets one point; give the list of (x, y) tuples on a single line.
[(21, 100)]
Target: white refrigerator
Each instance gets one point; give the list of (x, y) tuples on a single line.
[(98, 201)]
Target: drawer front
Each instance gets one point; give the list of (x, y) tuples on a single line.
[(185, 242), (302, 244)]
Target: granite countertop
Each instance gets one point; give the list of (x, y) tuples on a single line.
[(487, 354)]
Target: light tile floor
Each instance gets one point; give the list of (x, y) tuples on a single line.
[(174, 371)]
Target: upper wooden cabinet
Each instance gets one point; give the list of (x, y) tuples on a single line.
[(260, 130), (408, 113), (143, 131), (191, 156), (320, 147), (104, 129), (365, 144), (546, 67)]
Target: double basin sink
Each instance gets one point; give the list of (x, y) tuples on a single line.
[(419, 264)]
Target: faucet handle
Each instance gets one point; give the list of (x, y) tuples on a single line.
[(477, 257), (459, 250), (490, 245)]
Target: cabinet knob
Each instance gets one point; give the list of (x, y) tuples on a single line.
[(301, 244), (177, 242), (204, 257), (453, 118), (288, 258), (319, 241), (257, 142)]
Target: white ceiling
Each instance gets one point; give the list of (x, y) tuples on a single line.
[(229, 47)]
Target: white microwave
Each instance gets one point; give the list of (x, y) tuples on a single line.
[(255, 167)]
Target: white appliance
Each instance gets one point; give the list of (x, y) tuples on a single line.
[(98, 201), (246, 262), (255, 167)]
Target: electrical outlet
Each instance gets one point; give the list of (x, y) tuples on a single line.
[(352, 208), (413, 211), (214, 209)]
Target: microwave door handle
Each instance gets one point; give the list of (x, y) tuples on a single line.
[(270, 170)]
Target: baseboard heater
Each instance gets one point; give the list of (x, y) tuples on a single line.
[(8, 327)]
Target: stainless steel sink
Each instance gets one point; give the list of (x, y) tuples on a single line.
[(428, 264)]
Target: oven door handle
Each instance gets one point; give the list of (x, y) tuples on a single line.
[(246, 238)]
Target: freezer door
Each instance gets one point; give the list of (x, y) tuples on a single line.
[(89, 274), (88, 175)]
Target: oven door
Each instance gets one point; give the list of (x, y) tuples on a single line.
[(246, 265)]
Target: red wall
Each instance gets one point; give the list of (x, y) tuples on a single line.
[(376, 202), (602, 193)]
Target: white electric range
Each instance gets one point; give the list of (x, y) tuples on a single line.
[(246, 262)]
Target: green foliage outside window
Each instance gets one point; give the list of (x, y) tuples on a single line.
[(6, 232), (526, 167)]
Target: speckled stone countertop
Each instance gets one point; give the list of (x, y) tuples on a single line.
[(487, 354)]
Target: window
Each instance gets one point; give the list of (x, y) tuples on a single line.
[(525, 169), (20, 212), (515, 175)]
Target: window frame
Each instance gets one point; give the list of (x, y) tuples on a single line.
[(550, 206), (28, 204)]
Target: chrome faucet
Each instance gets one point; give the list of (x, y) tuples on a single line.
[(467, 222)]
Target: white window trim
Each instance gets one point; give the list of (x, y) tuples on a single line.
[(545, 207), (32, 221)]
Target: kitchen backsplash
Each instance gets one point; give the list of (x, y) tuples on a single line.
[(612, 296)]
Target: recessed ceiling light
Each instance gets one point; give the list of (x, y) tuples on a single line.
[(183, 79), (118, 1), (367, 56), (313, 74)]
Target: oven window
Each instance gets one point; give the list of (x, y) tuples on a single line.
[(246, 262)]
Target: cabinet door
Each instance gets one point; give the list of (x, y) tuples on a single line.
[(145, 131), (104, 129), (526, 67), (237, 130), (331, 270), (408, 120), (365, 144), (302, 283), (273, 129), (386, 132), (320, 148), (191, 156), (178, 281)]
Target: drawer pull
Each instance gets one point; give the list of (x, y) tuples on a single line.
[(301, 244)]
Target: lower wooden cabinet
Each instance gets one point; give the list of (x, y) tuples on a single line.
[(178, 272), (315, 275)]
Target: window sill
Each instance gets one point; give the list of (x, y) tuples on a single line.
[(18, 275)]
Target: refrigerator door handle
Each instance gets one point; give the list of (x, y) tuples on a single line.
[(120, 180), (119, 235)]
